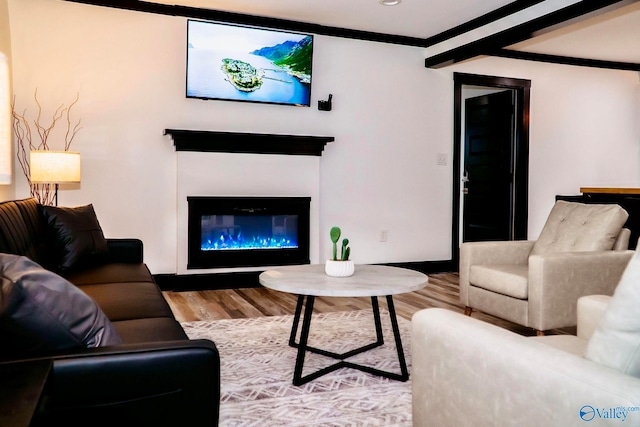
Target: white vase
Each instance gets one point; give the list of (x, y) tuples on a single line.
[(339, 268)]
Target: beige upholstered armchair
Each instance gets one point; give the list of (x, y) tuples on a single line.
[(582, 250)]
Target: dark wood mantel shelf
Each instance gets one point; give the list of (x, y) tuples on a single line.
[(260, 143)]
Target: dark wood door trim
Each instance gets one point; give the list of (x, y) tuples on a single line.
[(522, 88)]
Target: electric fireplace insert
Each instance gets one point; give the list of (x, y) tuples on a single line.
[(247, 231)]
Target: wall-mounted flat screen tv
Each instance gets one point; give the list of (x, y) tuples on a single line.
[(239, 63)]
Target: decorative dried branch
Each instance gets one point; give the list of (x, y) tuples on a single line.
[(22, 130), (23, 133), (68, 139)]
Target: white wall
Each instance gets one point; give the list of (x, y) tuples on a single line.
[(391, 118)]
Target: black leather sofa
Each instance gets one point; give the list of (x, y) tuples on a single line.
[(154, 376)]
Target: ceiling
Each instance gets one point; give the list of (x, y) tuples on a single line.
[(610, 35), (414, 18)]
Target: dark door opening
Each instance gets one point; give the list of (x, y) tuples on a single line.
[(496, 178), (487, 201)]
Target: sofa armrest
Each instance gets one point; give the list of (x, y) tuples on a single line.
[(590, 311), (476, 253), (561, 278), (129, 251), (466, 372), (162, 383)]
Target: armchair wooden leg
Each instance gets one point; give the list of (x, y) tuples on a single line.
[(467, 311), (539, 333)]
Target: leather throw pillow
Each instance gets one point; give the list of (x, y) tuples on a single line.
[(76, 236), (41, 312)]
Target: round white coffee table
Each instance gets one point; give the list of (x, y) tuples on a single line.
[(310, 281)]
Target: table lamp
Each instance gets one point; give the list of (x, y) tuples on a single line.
[(54, 167)]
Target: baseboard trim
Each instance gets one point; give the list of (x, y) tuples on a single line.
[(428, 267), (249, 279), (209, 281)]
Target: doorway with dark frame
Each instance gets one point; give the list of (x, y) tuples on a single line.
[(491, 157)]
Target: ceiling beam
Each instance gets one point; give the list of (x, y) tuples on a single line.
[(566, 60), (557, 19), (480, 21)]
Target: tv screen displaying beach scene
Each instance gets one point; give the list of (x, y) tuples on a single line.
[(238, 63)]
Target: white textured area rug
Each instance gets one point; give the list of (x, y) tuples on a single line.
[(257, 370)]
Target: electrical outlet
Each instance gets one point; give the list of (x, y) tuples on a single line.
[(441, 160), (383, 235)]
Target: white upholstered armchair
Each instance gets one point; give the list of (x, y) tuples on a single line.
[(466, 372), (582, 250), (471, 373)]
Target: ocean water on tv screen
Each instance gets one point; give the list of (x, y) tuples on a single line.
[(206, 80)]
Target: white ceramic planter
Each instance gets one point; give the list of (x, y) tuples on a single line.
[(339, 268)]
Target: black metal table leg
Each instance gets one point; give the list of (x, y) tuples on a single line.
[(376, 320), (302, 346), (296, 321), (304, 336), (396, 335)]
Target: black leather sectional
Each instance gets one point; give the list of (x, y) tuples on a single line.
[(154, 376)]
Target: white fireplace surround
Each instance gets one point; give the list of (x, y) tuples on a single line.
[(246, 175)]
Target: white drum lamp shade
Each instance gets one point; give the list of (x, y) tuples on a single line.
[(54, 167), (5, 122)]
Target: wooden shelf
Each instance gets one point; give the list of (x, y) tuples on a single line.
[(258, 143), (599, 190)]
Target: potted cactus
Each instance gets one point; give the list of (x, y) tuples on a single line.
[(339, 266)]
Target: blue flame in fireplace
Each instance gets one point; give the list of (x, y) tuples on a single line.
[(249, 232)]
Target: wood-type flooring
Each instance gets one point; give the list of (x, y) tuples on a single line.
[(442, 291)]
